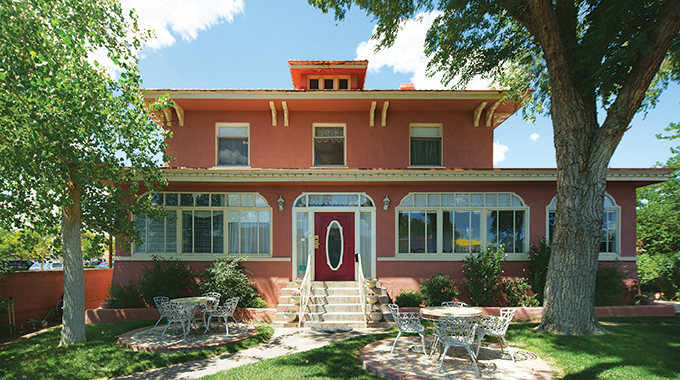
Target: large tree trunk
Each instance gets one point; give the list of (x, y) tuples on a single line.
[(73, 327)]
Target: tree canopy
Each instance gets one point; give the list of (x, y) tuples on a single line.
[(76, 142), (576, 56)]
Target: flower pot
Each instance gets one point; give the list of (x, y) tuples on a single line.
[(371, 299), (298, 283), (295, 300), (371, 283), (290, 317), (374, 317)]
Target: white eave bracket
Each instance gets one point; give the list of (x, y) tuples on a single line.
[(165, 117), (371, 114), (273, 108), (384, 113), (490, 111), (477, 113)]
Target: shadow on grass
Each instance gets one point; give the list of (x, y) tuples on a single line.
[(639, 348), (39, 357)]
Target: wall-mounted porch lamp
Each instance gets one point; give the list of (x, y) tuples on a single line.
[(280, 202), (386, 203)]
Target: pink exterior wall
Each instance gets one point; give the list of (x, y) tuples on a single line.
[(464, 146), (35, 293)]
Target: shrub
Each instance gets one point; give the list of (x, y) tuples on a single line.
[(168, 278), (409, 298), (609, 285), (437, 289), (482, 273), (123, 296), (517, 292), (660, 273), (229, 278), (537, 268)]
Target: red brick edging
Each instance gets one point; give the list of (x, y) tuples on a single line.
[(541, 370), (126, 341)]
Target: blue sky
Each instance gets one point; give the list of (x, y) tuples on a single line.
[(246, 44)]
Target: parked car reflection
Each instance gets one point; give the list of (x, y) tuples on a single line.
[(54, 265)]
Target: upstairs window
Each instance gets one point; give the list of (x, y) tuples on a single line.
[(329, 145), (426, 145), (328, 83), (232, 144)]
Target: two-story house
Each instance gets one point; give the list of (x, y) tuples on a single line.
[(404, 178)]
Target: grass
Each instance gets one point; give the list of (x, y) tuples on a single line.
[(639, 348), (39, 357)]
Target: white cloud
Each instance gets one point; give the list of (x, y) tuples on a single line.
[(499, 152), (183, 17), (407, 55), (534, 137)]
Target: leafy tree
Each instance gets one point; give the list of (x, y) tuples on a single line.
[(76, 144), (658, 226), (577, 55)]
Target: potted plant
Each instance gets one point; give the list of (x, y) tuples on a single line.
[(298, 282), (289, 314), (371, 282), (372, 298), (295, 298), (375, 315)]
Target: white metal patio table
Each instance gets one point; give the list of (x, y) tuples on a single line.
[(433, 313), (190, 301)]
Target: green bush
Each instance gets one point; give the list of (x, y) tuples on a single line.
[(438, 288), (123, 296), (537, 268), (660, 273), (169, 278), (482, 273), (229, 278), (409, 298), (609, 285), (517, 292)]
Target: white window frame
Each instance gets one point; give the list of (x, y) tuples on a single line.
[(441, 143), (604, 256), (344, 145), (217, 143), (188, 256), (336, 82), (442, 256)]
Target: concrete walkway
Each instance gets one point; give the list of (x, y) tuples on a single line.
[(283, 342)]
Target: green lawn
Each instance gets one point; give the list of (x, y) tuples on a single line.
[(39, 357), (639, 348)]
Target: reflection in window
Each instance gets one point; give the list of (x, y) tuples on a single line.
[(329, 146)]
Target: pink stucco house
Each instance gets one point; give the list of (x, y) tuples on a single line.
[(404, 178)]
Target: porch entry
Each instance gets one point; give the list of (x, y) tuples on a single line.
[(334, 246)]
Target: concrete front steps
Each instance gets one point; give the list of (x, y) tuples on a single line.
[(333, 304)]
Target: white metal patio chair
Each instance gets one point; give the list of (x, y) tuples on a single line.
[(224, 312), (457, 332), (159, 301), (455, 304), (179, 313), (496, 326), (206, 308), (407, 323)]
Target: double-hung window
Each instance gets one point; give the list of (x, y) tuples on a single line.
[(329, 145), (233, 144), (426, 145), (461, 223), (207, 223), (609, 242)]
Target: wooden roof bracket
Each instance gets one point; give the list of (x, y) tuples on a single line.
[(371, 114), (477, 113), (167, 112), (180, 113), (384, 113), (285, 113), (490, 111), (273, 107)]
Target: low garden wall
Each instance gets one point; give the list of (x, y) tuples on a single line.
[(37, 293), (103, 314)]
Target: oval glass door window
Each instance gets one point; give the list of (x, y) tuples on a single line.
[(334, 245)]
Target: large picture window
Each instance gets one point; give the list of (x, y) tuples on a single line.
[(609, 242), (207, 223), (461, 223), (426, 145), (329, 145), (232, 144)]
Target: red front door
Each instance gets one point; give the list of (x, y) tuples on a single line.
[(334, 254)]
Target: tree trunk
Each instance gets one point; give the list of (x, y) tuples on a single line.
[(73, 327)]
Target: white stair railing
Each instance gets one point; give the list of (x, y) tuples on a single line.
[(363, 289), (306, 288)]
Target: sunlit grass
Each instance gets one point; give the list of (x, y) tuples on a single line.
[(39, 357)]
